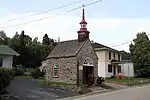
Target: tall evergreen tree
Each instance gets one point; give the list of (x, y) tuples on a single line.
[(3, 38), (46, 40), (140, 52), (32, 52)]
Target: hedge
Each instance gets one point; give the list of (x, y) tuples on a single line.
[(5, 78)]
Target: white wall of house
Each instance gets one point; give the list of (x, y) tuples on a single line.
[(7, 61), (108, 74), (104, 61), (128, 69), (101, 69), (101, 63), (112, 56)]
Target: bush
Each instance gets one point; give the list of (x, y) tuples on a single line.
[(18, 70), (5, 78), (37, 73), (100, 80)]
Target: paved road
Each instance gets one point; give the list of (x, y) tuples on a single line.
[(27, 89), (136, 93)]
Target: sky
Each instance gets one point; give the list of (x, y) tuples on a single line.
[(110, 22)]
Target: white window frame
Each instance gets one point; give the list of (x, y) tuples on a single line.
[(55, 68), (88, 64)]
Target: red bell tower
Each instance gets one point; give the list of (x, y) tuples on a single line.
[(83, 33)]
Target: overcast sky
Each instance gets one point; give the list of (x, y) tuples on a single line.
[(110, 22)]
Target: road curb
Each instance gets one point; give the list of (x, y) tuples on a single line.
[(87, 94)]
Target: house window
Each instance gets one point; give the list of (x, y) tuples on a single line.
[(114, 55), (118, 57), (1, 62), (109, 68), (55, 71), (109, 55), (119, 69)]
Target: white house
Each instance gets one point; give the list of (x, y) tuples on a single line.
[(6, 56), (110, 62), (127, 68)]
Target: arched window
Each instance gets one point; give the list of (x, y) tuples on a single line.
[(55, 70), (88, 61)]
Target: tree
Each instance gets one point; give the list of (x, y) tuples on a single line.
[(3, 38), (21, 44), (140, 53), (46, 40), (48, 45), (32, 52)]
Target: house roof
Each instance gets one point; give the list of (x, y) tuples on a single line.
[(98, 46), (66, 49), (126, 56), (7, 50)]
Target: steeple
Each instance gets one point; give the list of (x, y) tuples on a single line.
[(83, 33)]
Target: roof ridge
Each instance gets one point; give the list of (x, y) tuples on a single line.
[(104, 46), (69, 40)]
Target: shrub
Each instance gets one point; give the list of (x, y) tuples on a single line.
[(37, 73), (5, 78), (18, 70), (100, 80)]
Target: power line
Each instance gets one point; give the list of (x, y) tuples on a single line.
[(86, 5), (121, 44), (46, 11), (124, 43)]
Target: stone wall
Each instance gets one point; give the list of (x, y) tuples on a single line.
[(69, 67), (87, 51), (67, 70)]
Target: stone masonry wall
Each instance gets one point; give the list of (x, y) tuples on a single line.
[(67, 70), (87, 51)]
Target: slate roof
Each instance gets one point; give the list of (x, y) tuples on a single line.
[(66, 49), (97, 46), (7, 50)]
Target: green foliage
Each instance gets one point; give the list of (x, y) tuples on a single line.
[(3, 38), (46, 40), (31, 51), (100, 80), (125, 81), (49, 83), (5, 78), (19, 70), (37, 73), (140, 53)]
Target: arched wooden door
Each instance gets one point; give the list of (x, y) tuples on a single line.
[(88, 72)]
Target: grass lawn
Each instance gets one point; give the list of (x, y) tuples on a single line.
[(126, 81), (23, 76), (43, 82)]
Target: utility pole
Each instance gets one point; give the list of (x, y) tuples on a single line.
[(129, 75)]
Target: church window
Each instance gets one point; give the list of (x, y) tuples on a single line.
[(55, 71)]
